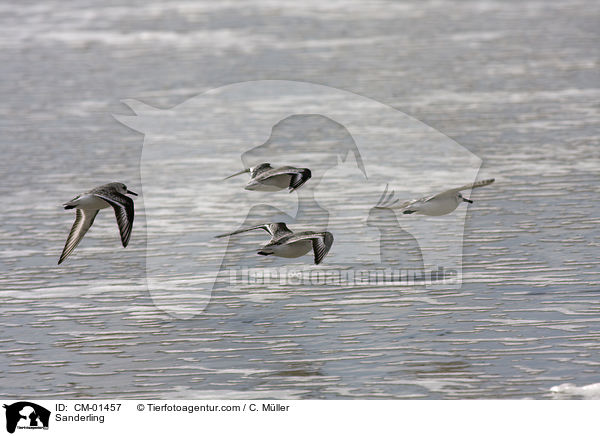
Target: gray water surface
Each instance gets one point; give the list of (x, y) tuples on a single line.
[(515, 82)]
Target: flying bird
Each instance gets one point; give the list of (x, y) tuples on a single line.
[(264, 177), (88, 204), (433, 205), (285, 243)]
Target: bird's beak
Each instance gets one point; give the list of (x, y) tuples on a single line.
[(466, 200), (247, 170), (131, 192)]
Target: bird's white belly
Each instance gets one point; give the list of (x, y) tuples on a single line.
[(295, 249), (93, 202), (275, 183), (438, 207)]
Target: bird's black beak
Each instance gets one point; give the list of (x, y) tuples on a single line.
[(131, 192), (466, 200)]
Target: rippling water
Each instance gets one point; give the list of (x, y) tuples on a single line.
[(488, 74)]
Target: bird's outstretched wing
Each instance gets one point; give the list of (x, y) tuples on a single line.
[(478, 184), (411, 206), (260, 169), (321, 246), (276, 230), (124, 212), (449, 192), (387, 200), (299, 177), (83, 221), (321, 243)]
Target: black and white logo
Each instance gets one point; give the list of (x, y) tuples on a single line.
[(26, 415)]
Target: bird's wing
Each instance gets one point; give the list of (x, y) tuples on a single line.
[(387, 200), (416, 201), (321, 242), (321, 246), (124, 212), (276, 230), (265, 173), (478, 184), (83, 221), (260, 169), (299, 177), (279, 230)]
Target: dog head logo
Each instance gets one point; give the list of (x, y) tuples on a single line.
[(24, 414), (189, 149)]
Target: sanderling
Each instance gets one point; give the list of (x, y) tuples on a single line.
[(285, 243), (88, 204), (264, 177), (433, 205)]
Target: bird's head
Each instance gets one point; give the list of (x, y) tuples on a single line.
[(122, 189)]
